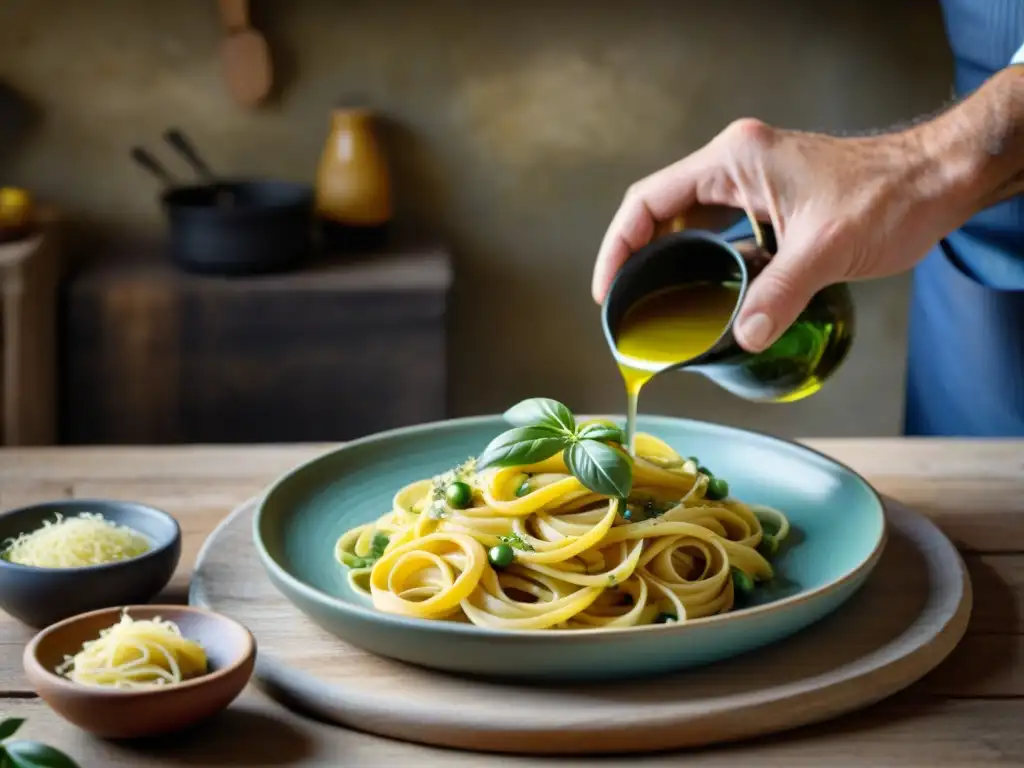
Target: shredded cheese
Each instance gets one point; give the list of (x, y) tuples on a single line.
[(87, 539), (136, 654)]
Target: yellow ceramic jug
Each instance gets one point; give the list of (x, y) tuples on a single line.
[(353, 185)]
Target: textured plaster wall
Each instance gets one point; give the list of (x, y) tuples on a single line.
[(514, 129)]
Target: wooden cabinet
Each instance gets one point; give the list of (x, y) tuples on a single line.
[(335, 351), (29, 277)]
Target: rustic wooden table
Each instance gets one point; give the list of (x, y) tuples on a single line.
[(968, 712)]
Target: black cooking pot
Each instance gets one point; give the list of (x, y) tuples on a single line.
[(233, 227)]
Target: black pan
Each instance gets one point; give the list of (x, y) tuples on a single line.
[(232, 227)]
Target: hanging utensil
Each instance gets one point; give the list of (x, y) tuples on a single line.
[(245, 56)]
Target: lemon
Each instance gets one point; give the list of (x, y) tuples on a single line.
[(15, 207)]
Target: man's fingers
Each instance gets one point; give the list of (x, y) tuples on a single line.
[(632, 227), (660, 197), (776, 298)]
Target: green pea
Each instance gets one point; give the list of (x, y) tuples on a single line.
[(769, 546), (741, 582), (665, 618), (458, 495), (717, 489), (524, 487), (501, 556), (705, 471)]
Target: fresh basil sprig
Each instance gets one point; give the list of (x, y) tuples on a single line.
[(543, 427), (541, 412), (28, 754)]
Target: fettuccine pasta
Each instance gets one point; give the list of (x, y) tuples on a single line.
[(577, 559)]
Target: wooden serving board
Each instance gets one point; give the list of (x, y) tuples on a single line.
[(907, 618)]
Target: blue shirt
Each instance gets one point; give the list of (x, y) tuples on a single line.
[(986, 36), (965, 358)]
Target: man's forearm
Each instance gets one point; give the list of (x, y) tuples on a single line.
[(977, 147)]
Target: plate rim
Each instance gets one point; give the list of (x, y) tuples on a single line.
[(279, 575)]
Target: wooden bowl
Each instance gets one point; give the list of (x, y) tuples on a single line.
[(125, 714), (41, 596)]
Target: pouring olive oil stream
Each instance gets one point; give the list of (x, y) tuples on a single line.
[(673, 305)]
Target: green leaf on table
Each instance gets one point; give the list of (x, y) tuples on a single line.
[(522, 445), (542, 412), (10, 726), (600, 467), (33, 754), (606, 433)]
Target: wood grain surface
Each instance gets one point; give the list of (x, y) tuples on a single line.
[(966, 712)]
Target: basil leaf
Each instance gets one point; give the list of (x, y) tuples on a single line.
[(32, 754), (10, 726), (541, 412), (605, 433), (522, 445), (600, 467)]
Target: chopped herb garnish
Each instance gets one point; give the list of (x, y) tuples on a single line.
[(377, 547), (516, 541), (769, 546), (741, 582), (640, 508), (441, 496), (379, 544)]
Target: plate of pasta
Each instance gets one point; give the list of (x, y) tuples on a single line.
[(534, 545)]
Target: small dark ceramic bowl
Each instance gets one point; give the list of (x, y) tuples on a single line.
[(40, 596), (127, 714)]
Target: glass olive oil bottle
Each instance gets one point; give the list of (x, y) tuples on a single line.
[(672, 308)]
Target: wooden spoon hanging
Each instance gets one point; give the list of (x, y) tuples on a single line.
[(245, 56)]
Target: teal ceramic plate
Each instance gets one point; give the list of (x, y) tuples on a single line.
[(839, 535)]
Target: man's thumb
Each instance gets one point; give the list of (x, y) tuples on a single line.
[(774, 300)]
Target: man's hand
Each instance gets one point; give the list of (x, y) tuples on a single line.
[(842, 208)]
